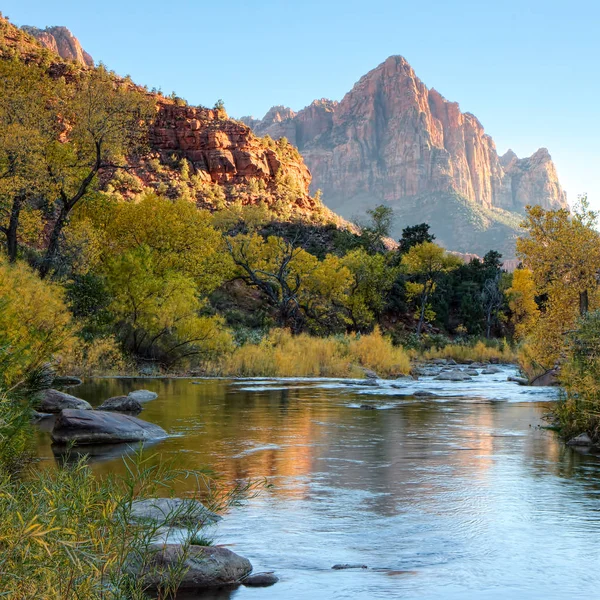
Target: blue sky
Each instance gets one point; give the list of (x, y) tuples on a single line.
[(527, 69)]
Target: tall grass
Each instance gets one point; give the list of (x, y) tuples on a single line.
[(281, 354), (479, 352), (66, 534)]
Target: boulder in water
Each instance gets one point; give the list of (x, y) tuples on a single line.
[(53, 401), (100, 427), (583, 439), (260, 580), (121, 404), (143, 395), (204, 567)]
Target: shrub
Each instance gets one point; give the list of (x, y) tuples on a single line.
[(34, 323)]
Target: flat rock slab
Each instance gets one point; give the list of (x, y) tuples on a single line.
[(121, 404), (174, 512), (204, 566), (53, 401), (99, 427), (343, 567), (143, 395)]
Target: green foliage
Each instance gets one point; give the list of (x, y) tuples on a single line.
[(413, 236), (377, 228), (34, 323), (373, 279), (425, 264), (579, 409)]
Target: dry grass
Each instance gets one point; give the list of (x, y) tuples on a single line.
[(480, 352), (281, 354)]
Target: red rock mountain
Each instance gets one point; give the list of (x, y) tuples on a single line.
[(62, 42), (392, 140)]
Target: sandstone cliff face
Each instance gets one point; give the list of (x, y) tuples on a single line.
[(392, 140), (62, 42), (226, 152)]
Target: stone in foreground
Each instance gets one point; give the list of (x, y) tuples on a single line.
[(99, 427), (143, 395), (174, 512), (121, 404), (204, 566), (260, 580), (53, 401)]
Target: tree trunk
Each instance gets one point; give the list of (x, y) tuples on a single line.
[(583, 303), (12, 245), (422, 315), (54, 243)]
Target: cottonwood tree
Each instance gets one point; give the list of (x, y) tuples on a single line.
[(562, 251), (27, 131), (104, 121), (295, 283), (425, 264)]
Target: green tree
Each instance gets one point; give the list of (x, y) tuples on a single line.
[(377, 228), (414, 235)]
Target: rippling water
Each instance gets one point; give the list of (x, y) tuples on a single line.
[(459, 496)]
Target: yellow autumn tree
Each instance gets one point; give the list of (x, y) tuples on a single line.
[(298, 286), (521, 301), (34, 323), (562, 251), (425, 264)]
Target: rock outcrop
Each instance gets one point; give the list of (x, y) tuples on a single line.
[(62, 42), (392, 140)]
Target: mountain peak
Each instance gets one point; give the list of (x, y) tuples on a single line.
[(60, 40)]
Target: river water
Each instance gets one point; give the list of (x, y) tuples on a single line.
[(459, 496)]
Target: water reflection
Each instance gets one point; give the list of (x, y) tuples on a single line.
[(465, 491)]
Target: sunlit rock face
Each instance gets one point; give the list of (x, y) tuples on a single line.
[(392, 140), (62, 42)]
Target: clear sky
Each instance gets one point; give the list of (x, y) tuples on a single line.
[(528, 69)]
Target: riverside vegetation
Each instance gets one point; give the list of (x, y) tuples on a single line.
[(95, 281)]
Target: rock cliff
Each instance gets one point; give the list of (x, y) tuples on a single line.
[(392, 140), (62, 42)]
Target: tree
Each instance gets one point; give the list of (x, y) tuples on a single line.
[(425, 264), (492, 298), (103, 122), (27, 131), (294, 283), (377, 228), (521, 301), (158, 310), (562, 251), (413, 236), (35, 323), (373, 279)]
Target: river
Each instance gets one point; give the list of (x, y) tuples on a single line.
[(458, 496)]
